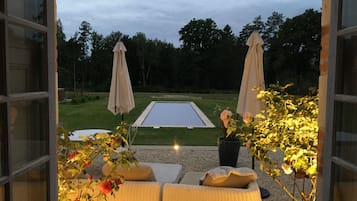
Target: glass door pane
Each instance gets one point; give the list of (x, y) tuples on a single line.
[(31, 186), (347, 60), (349, 14), (32, 10), (28, 131), (345, 184), (2, 58), (2, 193), (346, 132), (2, 6), (3, 148), (27, 60)]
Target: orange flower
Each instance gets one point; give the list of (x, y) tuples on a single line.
[(116, 139), (87, 165), (90, 177), (247, 117), (72, 155), (77, 199), (105, 187), (226, 117), (248, 144)]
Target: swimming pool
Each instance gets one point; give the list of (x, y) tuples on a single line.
[(173, 114)]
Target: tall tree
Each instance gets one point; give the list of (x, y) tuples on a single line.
[(83, 39), (272, 27), (61, 36), (159, 61), (140, 41), (113, 38), (151, 58), (199, 35), (198, 38), (132, 59), (62, 57), (297, 50), (225, 59), (227, 33), (97, 62), (256, 25), (85, 32), (271, 42), (73, 50)]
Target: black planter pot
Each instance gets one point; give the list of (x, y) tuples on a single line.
[(228, 151)]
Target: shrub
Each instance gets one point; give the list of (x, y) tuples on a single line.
[(75, 158), (289, 124)]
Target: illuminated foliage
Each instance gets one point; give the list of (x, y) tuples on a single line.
[(75, 158), (288, 124)]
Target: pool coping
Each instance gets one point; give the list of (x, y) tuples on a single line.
[(197, 110)]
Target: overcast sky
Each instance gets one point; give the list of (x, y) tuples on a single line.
[(162, 19)]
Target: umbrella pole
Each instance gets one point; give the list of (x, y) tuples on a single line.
[(253, 162), (122, 119)]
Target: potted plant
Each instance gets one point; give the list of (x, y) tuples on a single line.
[(288, 125), (228, 144)]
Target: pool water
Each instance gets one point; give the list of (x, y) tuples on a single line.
[(173, 114)]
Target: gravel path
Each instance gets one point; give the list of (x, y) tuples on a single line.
[(200, 159)]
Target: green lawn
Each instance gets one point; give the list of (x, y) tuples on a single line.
[(94, 114)]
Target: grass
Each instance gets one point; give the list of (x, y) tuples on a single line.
[(94, 114)]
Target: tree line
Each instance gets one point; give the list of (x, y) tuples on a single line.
[(208, 59)]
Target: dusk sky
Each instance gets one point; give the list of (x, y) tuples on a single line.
[(162, 19)]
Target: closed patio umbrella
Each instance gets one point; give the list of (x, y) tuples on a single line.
[(121, 99), (253, 77)]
